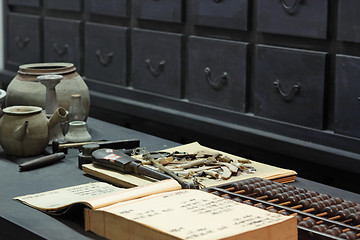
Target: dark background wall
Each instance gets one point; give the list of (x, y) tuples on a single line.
[(271, 80)]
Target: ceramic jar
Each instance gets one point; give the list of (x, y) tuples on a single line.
[(25, 89), (24, 130), (77, 132), (2, 97)]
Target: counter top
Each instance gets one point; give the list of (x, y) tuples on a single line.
[(19, 221)]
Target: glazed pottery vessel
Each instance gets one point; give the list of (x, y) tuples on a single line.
[(25, 89), (2, 97), (24, 130), (77, 132)]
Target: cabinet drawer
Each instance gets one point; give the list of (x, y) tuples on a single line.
[(23, 39), (28, 3), (217, 73), (348, 21), (230, 14), (305, 18), (62, 41), (70, 5), (105, 57), (156, 62), (289, 85), (159, 10), (347, 96), (118, 8)]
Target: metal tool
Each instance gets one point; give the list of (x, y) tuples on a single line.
[(115, 144), (121, 162)]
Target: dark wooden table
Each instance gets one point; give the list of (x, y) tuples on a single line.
[(18, 221)]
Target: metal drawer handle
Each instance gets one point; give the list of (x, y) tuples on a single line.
[(59, 51), (291, 8), (22, 42), (217, 1), (158, 70), (217, 83), (287, 96), (104, 60)]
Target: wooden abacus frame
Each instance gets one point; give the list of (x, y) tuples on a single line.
[(304, 233)]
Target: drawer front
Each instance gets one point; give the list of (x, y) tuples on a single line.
[(118, 8), (71, 5), (348, 21), (305, 18), (230, 14), (347, 96), (28, 3), (159, 10), (105, 57), (23, 39), (217, 73), (156, 62), (289, 85), (62, 41)]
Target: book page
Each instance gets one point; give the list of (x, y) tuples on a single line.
[(60, 198), (194, 214), (133, 193), (94, 195)]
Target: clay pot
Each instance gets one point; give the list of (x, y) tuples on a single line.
[(24, 130), (2, 97), (77, 132), (25, 89)]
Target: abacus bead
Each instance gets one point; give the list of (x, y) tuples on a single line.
[(285, 213), (338, 200), (355, 217), (261, 206), (293, 199), (216, 193), (257, 185), (344, 214), (318, 206), (296, 191), (331, 210), (282, 196), (273, 210), (227, 197), (271, 194), (237, 186), (309, 223), (319, 228), (324, 196), (357, 207), (311, 194), (348, 235), (333, 231), (252, 180), (349, 204), (305, 203), (260, 191), (247, 188), (237, 199), (299, 218)]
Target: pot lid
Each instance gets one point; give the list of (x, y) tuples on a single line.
[(22, 110), (46, 68)]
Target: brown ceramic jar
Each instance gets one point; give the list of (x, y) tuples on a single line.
[(24, 89)]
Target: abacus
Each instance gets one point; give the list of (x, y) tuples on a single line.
[(319, 216)]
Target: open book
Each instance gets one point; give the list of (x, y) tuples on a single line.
[(264, 171), (162, 210)]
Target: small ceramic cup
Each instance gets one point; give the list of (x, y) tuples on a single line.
[(77, 132)]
